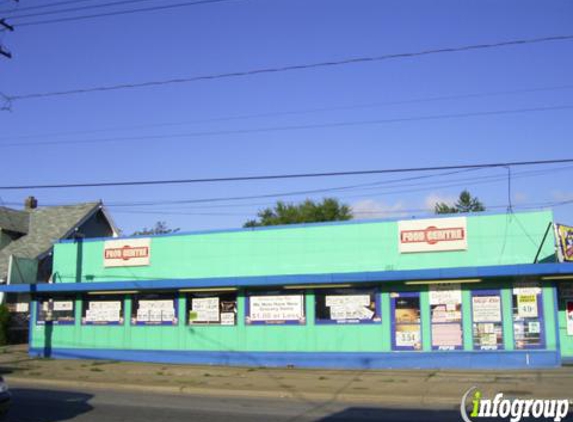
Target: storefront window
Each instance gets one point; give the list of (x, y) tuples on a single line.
[(212, 308), (103, 310), (347, 306), (487, 320), (446, 310), (406, 329), (62, 310), (154, 309), (528, 316), (275, 308)]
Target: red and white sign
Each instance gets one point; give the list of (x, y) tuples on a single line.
[(430, 235), (126, 253)]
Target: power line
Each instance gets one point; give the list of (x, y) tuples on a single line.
[(293, 127), (42, 6), (76, 9), (288, 68), (285, 176), (452, 97), (123, 12)]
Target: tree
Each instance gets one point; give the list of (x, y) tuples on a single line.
[(159, 228), (330, 209), (465, 203)]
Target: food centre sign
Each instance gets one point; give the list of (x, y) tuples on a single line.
[(431, 235), (126, 253)]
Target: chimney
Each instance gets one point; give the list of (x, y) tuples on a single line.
[(30, 203)]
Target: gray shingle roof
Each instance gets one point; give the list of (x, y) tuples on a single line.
[(46, 226), (14, 220)]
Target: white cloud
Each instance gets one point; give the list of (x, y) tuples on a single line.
[(433, 198), (369, 208), (562, 196), (519, 197)]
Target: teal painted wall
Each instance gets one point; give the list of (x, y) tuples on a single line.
[(303, 338), (311, 249)]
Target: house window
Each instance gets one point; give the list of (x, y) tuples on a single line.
[(154, 309), (487, 320), (528, 316), (212, 308), (347, 306), (103, 310), (406, 328), (275, 308), (62, 309), (446, 311)]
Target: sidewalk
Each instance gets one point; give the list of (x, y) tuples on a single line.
[(420, 387)]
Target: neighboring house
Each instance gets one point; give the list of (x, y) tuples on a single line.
[(27, 237)]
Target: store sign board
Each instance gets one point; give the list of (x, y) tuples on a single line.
[(433, 235), (126, 253)]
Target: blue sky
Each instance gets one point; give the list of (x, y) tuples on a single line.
[(250, 34)]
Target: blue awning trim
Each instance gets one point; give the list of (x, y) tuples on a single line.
[(498, 271)]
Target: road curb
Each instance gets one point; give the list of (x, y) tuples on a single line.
[(395, 400)]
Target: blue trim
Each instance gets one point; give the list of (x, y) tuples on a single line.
[(305, 225), (349, 360), (494, 271)]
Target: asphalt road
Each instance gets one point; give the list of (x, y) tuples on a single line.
[(39, 404)]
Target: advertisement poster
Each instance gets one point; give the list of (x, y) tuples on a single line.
[(570, 318), (447, 336), (276, 309), (527, 306), (564, 235), (408, 336), (350, 307), (486, 308), (445, 294), (155, 312), (204, 309), (103, 312)]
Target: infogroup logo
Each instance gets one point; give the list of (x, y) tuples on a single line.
[(512, 409)]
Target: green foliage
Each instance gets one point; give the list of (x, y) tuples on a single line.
[(465, 203), (330, 209), (159, 228), (4, 324)]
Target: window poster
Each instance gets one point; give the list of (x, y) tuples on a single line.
[(61, 310), (406, 321), (347, 306), (569, 316), (103, 311), (487, 320), (446, 310), (212, 308), (528, 315), (276, 309), (154, 309)]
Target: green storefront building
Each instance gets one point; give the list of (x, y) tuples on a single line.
[(469, 291)]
